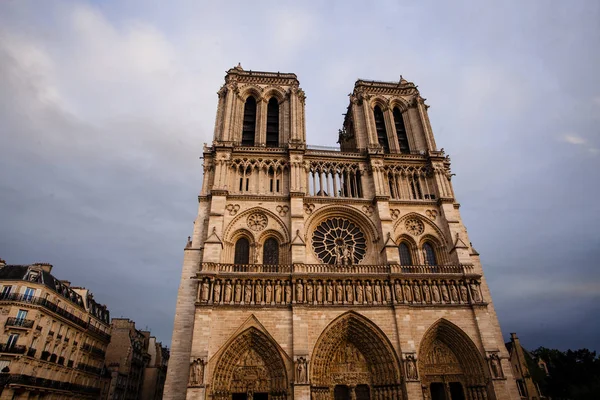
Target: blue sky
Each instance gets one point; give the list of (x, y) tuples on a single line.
[(105, 106)]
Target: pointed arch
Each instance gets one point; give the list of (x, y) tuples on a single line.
[(355, 331), (274, 91), (430, 228), (447, 351), (249, 121), (250, 358)]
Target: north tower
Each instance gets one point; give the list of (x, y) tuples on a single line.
[(331, 274)]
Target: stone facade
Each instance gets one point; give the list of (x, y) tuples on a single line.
[(528, 388), (155, 372), (54, 338), (315, 273)]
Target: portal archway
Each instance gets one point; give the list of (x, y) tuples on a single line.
[(251, 367), (353, 358), (450, 365)]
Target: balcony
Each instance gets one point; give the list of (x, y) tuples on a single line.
[(61, 361), (19, 323), (14, 349), (331, 269), (17, 380), (95, 351), (51, 333), (89, 368), (45, 355), (31, 352)]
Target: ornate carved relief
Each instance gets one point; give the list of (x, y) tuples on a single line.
[(196, 372), (232, 208), (431, 214), (368, 210), (282, 210), (495, 365), (309, 208), (414, 226), (326, 291), (301, 370), (395, 213), (257, 221), (410, 367)]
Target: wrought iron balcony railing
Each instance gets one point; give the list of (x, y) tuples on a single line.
[(19, 322), (31, 381), (14, 349)]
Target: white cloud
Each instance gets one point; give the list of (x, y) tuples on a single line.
[(574, 139)]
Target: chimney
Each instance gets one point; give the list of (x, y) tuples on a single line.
[(47, 267)]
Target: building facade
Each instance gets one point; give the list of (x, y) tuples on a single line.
[(54, 338), (522, 362), (320, 274), (126, 359), (155, 372)]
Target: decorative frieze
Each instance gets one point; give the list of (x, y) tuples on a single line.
[(273, 291)]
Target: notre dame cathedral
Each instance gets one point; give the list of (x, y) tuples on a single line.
[(331, 274)]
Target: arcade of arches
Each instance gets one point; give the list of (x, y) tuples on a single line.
[(352, 360)]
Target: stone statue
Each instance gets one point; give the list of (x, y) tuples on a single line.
[(329, 292), (496, 366), (301, 370), (398, 291), (278, 292), (248, 292), (417, 293), (288, 292), (453, 292), (349, 292), (475, 293), (369, 293), (268, 292), (435, 293), (309, 292), (464, 293), (347, 255), (319, 292), (411, 368), (445, 295), (217, 292), (227, 298), (205, 291), (339, 292), (378, 293), (426, 293), (258, 292), (299, 292), (238, 292), (196, 372), (407, 293), (359, 293), (387, 292)]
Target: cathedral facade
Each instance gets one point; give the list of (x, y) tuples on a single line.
[(331, 274)]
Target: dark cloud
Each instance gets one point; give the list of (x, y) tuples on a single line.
[(104, 109)]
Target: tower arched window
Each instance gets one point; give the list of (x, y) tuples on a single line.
[(380, 128), (401, 131), (242, 251), (405, 257), (249, 125), (271, 252), (429, 253), (273, 123)]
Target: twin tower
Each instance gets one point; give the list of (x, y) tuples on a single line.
[(331, 274)]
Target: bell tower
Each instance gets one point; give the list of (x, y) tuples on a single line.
[(331, 274)]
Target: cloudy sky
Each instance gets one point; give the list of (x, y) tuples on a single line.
[(104, 107)]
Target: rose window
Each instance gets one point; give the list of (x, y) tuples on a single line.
[(257, 221), (414, 226), (339, 241)]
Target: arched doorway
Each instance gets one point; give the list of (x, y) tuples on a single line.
[(250, 368), (450, 365), (353, 359)]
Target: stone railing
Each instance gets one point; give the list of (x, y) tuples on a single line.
[(367, 290), (358, 269)]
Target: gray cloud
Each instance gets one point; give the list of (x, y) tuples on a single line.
[(104, 109)]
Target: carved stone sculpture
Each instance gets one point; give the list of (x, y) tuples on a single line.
[(464, 294), (258, 292), (309, 292), (359, 293), (299, 292), (398, 291), (387, 292), (329, 293), (339, 292), (435, 293), (319, 292), (227, 297), (248, 292), (278, 292), (349, 290), (288, 292), (369, 293), (453, 292), (238, 292), (407, 293), (411, 368), (475, 293), (378, 298), (204, 294), (301, 370), (196, 372), (268, 293), (426, 293), (445, 294), (217, 292)]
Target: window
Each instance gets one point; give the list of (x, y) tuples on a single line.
[(380, 127), (273, 123), (405, 258), (429, 254), (29, 293), (21, 315), (271, 252), (401, 131), (242, 251), (249, 124), (12, 340), (6, 291)]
